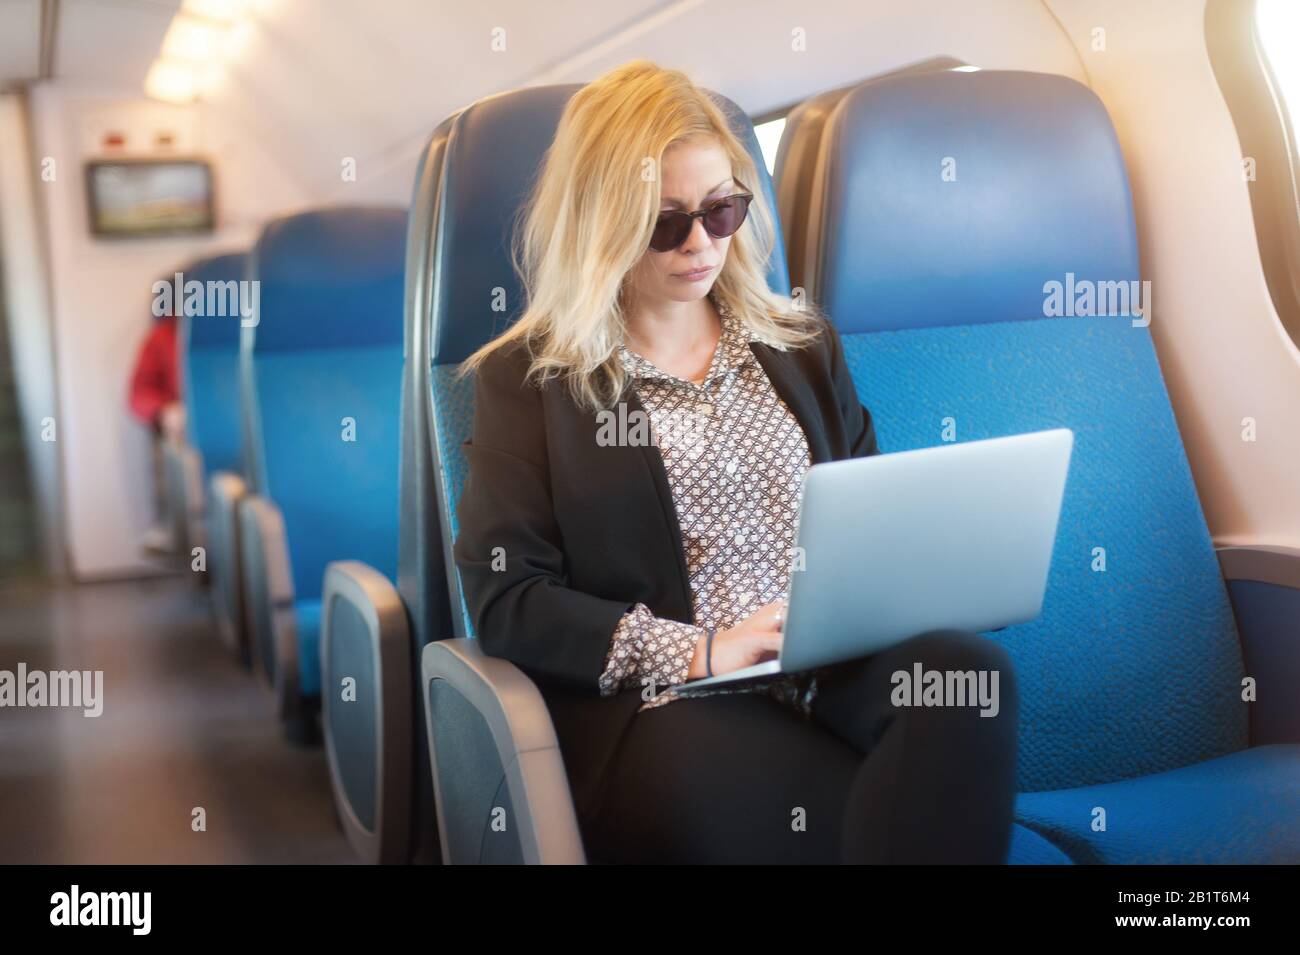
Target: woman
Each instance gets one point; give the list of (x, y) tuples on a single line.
[(639, 441)]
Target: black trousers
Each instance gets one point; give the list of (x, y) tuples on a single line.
[(743, 778)]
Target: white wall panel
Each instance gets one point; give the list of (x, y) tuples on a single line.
[(1222, 347), (101, 290)]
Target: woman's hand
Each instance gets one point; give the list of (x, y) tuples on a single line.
[(753, 640)]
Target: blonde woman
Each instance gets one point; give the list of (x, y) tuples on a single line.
[(639, 441)]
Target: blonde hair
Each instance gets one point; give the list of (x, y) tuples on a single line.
[(588, 221)]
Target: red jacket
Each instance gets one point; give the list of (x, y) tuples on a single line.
[(155, 382)]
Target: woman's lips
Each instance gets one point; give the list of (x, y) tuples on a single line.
[(695, 274)]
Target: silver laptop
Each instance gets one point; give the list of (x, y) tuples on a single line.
[(894, 545)]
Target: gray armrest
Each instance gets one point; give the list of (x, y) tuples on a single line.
[(269, 587), (1264, 585), (1266, 563), (499, 779), (226, 491), (191, 477), (175, 506), (365, 638)]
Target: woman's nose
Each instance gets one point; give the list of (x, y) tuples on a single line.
[(697, 240)]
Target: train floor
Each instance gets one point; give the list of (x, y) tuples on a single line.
[(186, 763)]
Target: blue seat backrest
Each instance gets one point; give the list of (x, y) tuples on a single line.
[(325, 367), (421, 576), (493, 155), (210, 363), (952, 201)]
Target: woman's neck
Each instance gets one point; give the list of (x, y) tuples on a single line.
[(678, 337)]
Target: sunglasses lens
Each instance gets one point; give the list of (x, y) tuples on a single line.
[(725, 217), (670, 231)]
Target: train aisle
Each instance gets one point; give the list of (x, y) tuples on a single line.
[(183, 728)]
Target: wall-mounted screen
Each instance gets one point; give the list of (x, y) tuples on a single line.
[(149, 197)]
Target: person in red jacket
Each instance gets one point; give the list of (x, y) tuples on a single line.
[(155, 383), (155, 399)]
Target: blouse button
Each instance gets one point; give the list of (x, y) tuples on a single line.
[(706, 408)]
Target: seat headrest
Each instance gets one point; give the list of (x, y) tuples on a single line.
[(796, 163), (217, 328), (952, 198), (494, 153), (330, 278)]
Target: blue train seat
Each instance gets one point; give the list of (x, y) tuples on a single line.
[(208, 469), (373, 627), (323, 367), (490, 739), (964, 230), (210, 366)]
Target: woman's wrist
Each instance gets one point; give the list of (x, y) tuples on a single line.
[(696, 671)]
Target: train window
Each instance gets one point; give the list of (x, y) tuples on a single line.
[(769, 139), (1278, 25), (1255, 52)]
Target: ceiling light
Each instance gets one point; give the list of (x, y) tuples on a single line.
[(191, 38), (172, 82)]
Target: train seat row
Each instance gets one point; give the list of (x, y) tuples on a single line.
[(209, 368), (214, 460), (927, 213)]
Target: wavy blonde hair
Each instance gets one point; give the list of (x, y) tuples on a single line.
[(588, 221)]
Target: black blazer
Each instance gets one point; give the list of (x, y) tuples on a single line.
[(585, 531)]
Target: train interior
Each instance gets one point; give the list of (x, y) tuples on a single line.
[(232, 629)]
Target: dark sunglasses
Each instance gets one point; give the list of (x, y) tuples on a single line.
[(721, 218)]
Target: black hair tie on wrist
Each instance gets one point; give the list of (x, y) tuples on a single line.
[(708, 650)]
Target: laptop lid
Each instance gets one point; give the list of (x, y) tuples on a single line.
[(894, 545)]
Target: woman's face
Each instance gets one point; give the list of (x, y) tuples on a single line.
[(693, 174)]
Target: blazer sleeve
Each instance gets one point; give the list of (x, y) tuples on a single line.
[(858, 425), (509, 548)]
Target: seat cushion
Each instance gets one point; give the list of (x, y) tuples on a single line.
[(1029, 848), (307, 615), (1242, 808)]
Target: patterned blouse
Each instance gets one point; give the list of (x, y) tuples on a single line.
[(735, 457)]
